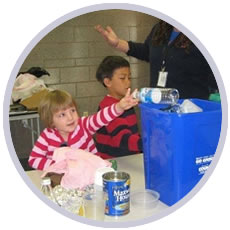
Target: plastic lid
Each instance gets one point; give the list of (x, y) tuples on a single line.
[(46, 181), (156, 95), (145, 198)]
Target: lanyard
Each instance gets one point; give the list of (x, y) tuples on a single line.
[(165, 53), (163, 75)]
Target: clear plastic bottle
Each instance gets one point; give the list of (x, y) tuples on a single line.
[(158, 95), (46, 188)]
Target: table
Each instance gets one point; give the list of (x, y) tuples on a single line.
[(24, 117), (132, 165)]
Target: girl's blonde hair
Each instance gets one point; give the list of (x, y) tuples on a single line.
[(53, 102)]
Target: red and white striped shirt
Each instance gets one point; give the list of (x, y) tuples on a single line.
[(81, 138)]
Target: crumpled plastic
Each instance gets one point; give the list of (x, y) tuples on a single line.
[(25, 86), (78, 166), (189, 107)]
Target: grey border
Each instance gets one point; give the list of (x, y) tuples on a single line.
[(108, 6)]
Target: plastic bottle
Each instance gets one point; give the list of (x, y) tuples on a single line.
[(158, 95), (46, 188)]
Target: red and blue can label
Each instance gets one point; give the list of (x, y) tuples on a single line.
[(116, 185)]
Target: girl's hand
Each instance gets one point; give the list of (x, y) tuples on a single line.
[(127, 102)]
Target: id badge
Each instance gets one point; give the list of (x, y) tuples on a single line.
[(162, 78)]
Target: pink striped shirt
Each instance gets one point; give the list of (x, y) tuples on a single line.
[(81, 138)]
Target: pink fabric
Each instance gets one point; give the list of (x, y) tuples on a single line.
[(79, 167)]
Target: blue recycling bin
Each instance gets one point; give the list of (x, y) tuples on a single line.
[(178, 148)]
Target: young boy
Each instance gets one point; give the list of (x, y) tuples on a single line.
[(121, 136), (58, 111)]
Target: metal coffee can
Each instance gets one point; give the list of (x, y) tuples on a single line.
[(116, 186)]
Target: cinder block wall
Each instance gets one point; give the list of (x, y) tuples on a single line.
[(72, 52)]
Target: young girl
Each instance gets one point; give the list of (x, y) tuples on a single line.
[(58, 111)]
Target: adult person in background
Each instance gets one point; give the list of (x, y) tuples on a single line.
[(175, 62)]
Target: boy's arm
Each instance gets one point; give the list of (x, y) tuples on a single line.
[(38, 156), (120, 135), (127, 141)]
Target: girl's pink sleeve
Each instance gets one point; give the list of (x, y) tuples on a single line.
[(102, 118)]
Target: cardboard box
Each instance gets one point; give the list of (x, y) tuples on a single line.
[(32, 102)]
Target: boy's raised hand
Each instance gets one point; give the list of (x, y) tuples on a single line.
[(127, 102)]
